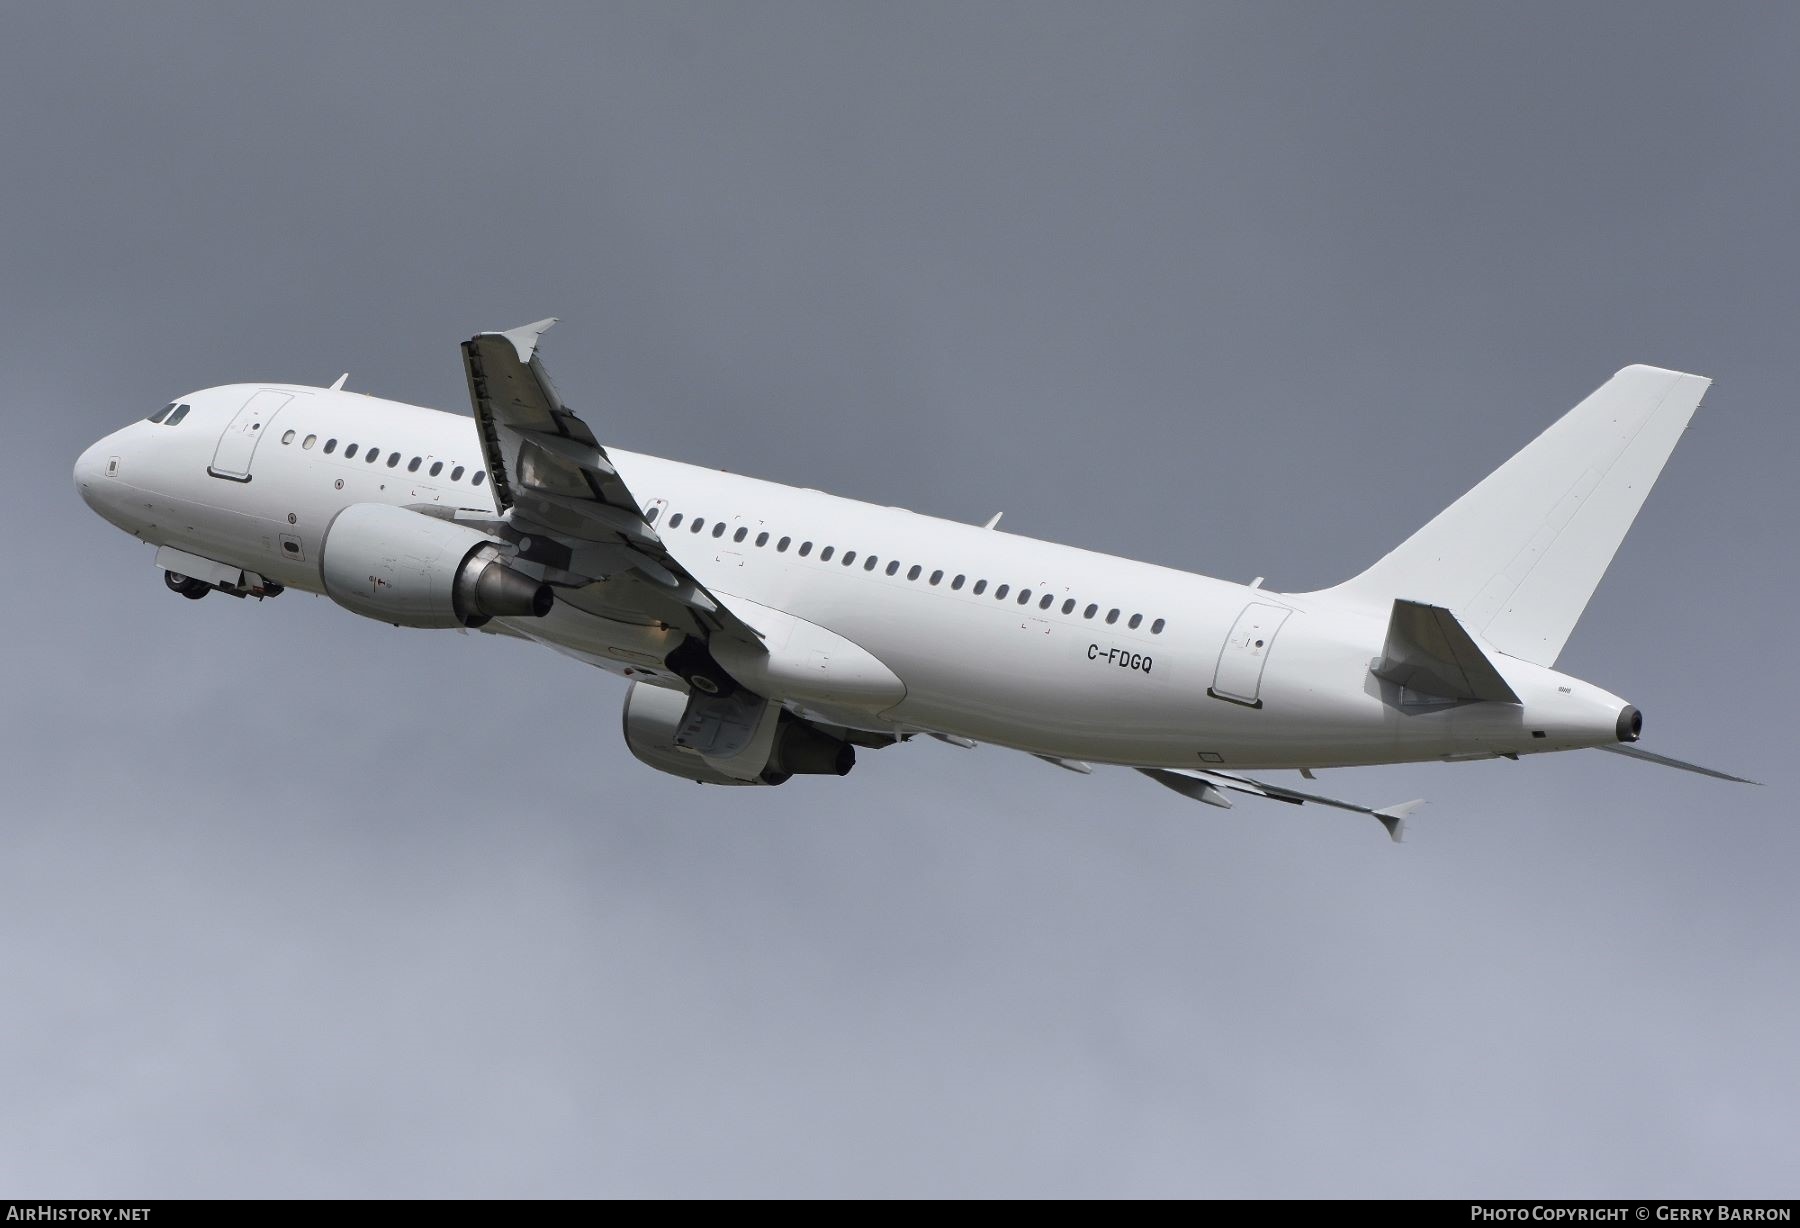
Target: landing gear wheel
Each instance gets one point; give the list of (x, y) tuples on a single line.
[(695, 666), (187, 586)]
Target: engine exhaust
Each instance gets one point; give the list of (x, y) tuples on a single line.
[(487, 588)]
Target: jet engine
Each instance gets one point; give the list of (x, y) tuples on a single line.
[(653, 716), (414, 570)]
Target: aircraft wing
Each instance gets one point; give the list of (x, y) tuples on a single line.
[(1205, 786), (556, 486)]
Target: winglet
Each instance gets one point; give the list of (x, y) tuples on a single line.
[(525, 339), (1394, 818), (993, 520), (339, 385)]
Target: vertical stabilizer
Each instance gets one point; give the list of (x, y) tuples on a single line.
[(1518, 557)]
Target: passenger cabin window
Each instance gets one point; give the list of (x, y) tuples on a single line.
[(696, 524), (1090, 611), (1112, 616), (782, 545), (1024, 596), (1000, 593), (437, 467), (675, 521), (825, 554), (412, 466), (1069, 606), (331, 446), (1137, 620), (912, 573), (740, 535), (651, 514), (849, 557), (936, 576), (805, 549), (1156, 627), (870, 562), (1045, 603), (956, 583), (479, 478), (762, 539), (349, 452), (893, 567), (372, 455), (307, 443), (177, 416), (719, 529), (160, 414), (287, 437), (393, 459), (980, 587)]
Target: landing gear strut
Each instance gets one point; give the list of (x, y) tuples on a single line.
[(187, 586)]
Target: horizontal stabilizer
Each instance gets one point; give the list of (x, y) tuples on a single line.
[(1427, 650), (1632, 752)]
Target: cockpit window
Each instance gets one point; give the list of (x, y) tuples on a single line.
[(177, 416), (162, 413)]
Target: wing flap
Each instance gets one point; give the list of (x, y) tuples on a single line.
[(552, 478), (1204, 786)]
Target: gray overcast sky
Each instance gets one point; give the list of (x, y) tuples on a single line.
[(293, 903)]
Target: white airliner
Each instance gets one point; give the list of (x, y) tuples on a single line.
[(769, 631)]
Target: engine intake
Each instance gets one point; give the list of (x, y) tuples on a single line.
[(413, 570)]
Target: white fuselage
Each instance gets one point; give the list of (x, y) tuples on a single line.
[(1106, 659)]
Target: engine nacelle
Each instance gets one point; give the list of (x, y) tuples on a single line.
[(652, 717), (413, 570)]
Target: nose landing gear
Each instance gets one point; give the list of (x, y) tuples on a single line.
[(187, 586)]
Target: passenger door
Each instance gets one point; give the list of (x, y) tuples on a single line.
[(1238, 677), (237, 445)]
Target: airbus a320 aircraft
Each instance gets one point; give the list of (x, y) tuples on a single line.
[(769, 631)]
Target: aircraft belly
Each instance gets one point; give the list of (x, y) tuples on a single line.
[(237, 538)]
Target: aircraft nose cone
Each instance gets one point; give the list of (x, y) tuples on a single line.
[(97, 480), (90, 470)]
